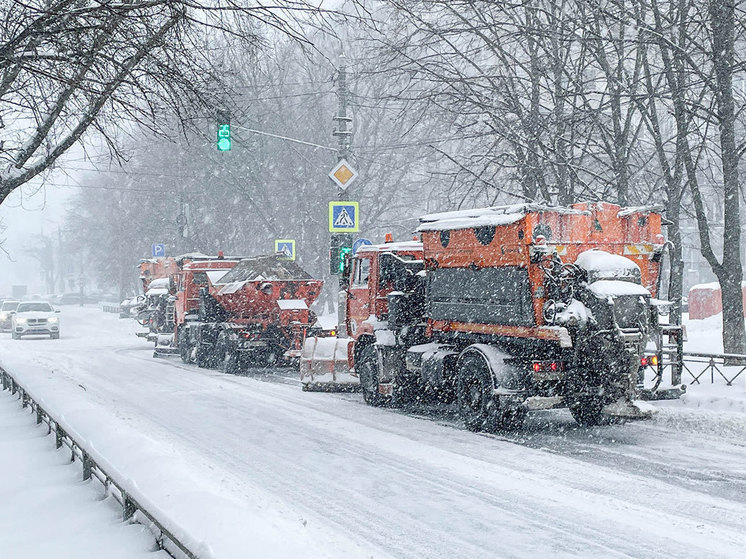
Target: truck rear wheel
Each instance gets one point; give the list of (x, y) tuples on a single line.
[(474, 392), (229, 358), (480, 409), (586, 410), (368, 370), (203, 356)]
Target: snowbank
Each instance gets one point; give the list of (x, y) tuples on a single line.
[(47, 512)]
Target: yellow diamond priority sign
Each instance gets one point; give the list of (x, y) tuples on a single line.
[(343, 174)]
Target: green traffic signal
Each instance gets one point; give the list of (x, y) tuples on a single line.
[(224, 131), (340, 249), (343, 255)]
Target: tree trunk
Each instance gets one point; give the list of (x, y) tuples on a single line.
[(722, 19)]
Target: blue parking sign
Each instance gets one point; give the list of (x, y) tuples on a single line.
[(159, 250)]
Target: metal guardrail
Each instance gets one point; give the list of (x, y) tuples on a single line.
[(696, 365), (164, 538), (111, 307)]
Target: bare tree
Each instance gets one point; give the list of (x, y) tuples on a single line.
[(67, 66)]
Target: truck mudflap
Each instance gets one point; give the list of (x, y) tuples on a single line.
[(629, 410), (323, 365), (164, 345)]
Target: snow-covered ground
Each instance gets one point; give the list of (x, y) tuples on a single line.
[(46, 511), (253, 466)]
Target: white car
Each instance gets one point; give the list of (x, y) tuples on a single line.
[(35, 317)]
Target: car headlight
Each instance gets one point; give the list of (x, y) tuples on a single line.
[(20, 320), (53, 319), (3, 316)]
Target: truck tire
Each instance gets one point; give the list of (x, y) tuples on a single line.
[(229, 358), (185, 348), (203, 356), (586, 410), (474, 392), (368, 370), (480, 409)]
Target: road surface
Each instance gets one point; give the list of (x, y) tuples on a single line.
[(382, 483)]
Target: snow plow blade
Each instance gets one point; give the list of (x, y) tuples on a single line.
[(324, 367), (163, 346), (624, 410), (668, 393)]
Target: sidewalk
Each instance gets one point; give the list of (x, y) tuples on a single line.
[(46, 511)]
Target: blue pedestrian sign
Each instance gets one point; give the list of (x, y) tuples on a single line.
[(357, 244), (159, 250), (285, 249), (344, 217)]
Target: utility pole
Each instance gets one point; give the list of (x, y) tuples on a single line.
[(344, 137), (341, 132)]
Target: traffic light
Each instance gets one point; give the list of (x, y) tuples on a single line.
[(339, 250), (224, 131)]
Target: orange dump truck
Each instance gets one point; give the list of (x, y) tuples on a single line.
[(231, 313), (507, 310)]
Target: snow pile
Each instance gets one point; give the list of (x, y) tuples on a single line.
[(602, 264), (46, 511), (574, 312), (616, 288)]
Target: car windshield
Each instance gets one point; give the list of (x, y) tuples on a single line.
[(9, 305), (34, 307)]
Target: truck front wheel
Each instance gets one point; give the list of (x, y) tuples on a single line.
[(367, 368), (185, 348)]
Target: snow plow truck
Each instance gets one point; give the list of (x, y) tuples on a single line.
[(504, 310), (232, 313)]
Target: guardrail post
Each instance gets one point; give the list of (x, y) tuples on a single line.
[(712, 370), (24, 399), (128, 507), (39, 415), (86, 466), (5, 381), (59, 434), (13, 387)]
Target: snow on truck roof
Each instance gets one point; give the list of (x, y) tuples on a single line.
[(492, 216), (605, 263), (394, 247), (265, 268)]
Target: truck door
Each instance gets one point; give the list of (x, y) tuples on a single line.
[(358, 298)]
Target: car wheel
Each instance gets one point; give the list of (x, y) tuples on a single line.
[(15, 336), (55, 336)]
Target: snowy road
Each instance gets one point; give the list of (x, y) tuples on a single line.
[(281, 472)]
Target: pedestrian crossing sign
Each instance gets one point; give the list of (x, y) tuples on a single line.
[(344, 217), (285, 249)]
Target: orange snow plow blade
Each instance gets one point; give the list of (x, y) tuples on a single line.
[(324, 366)]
